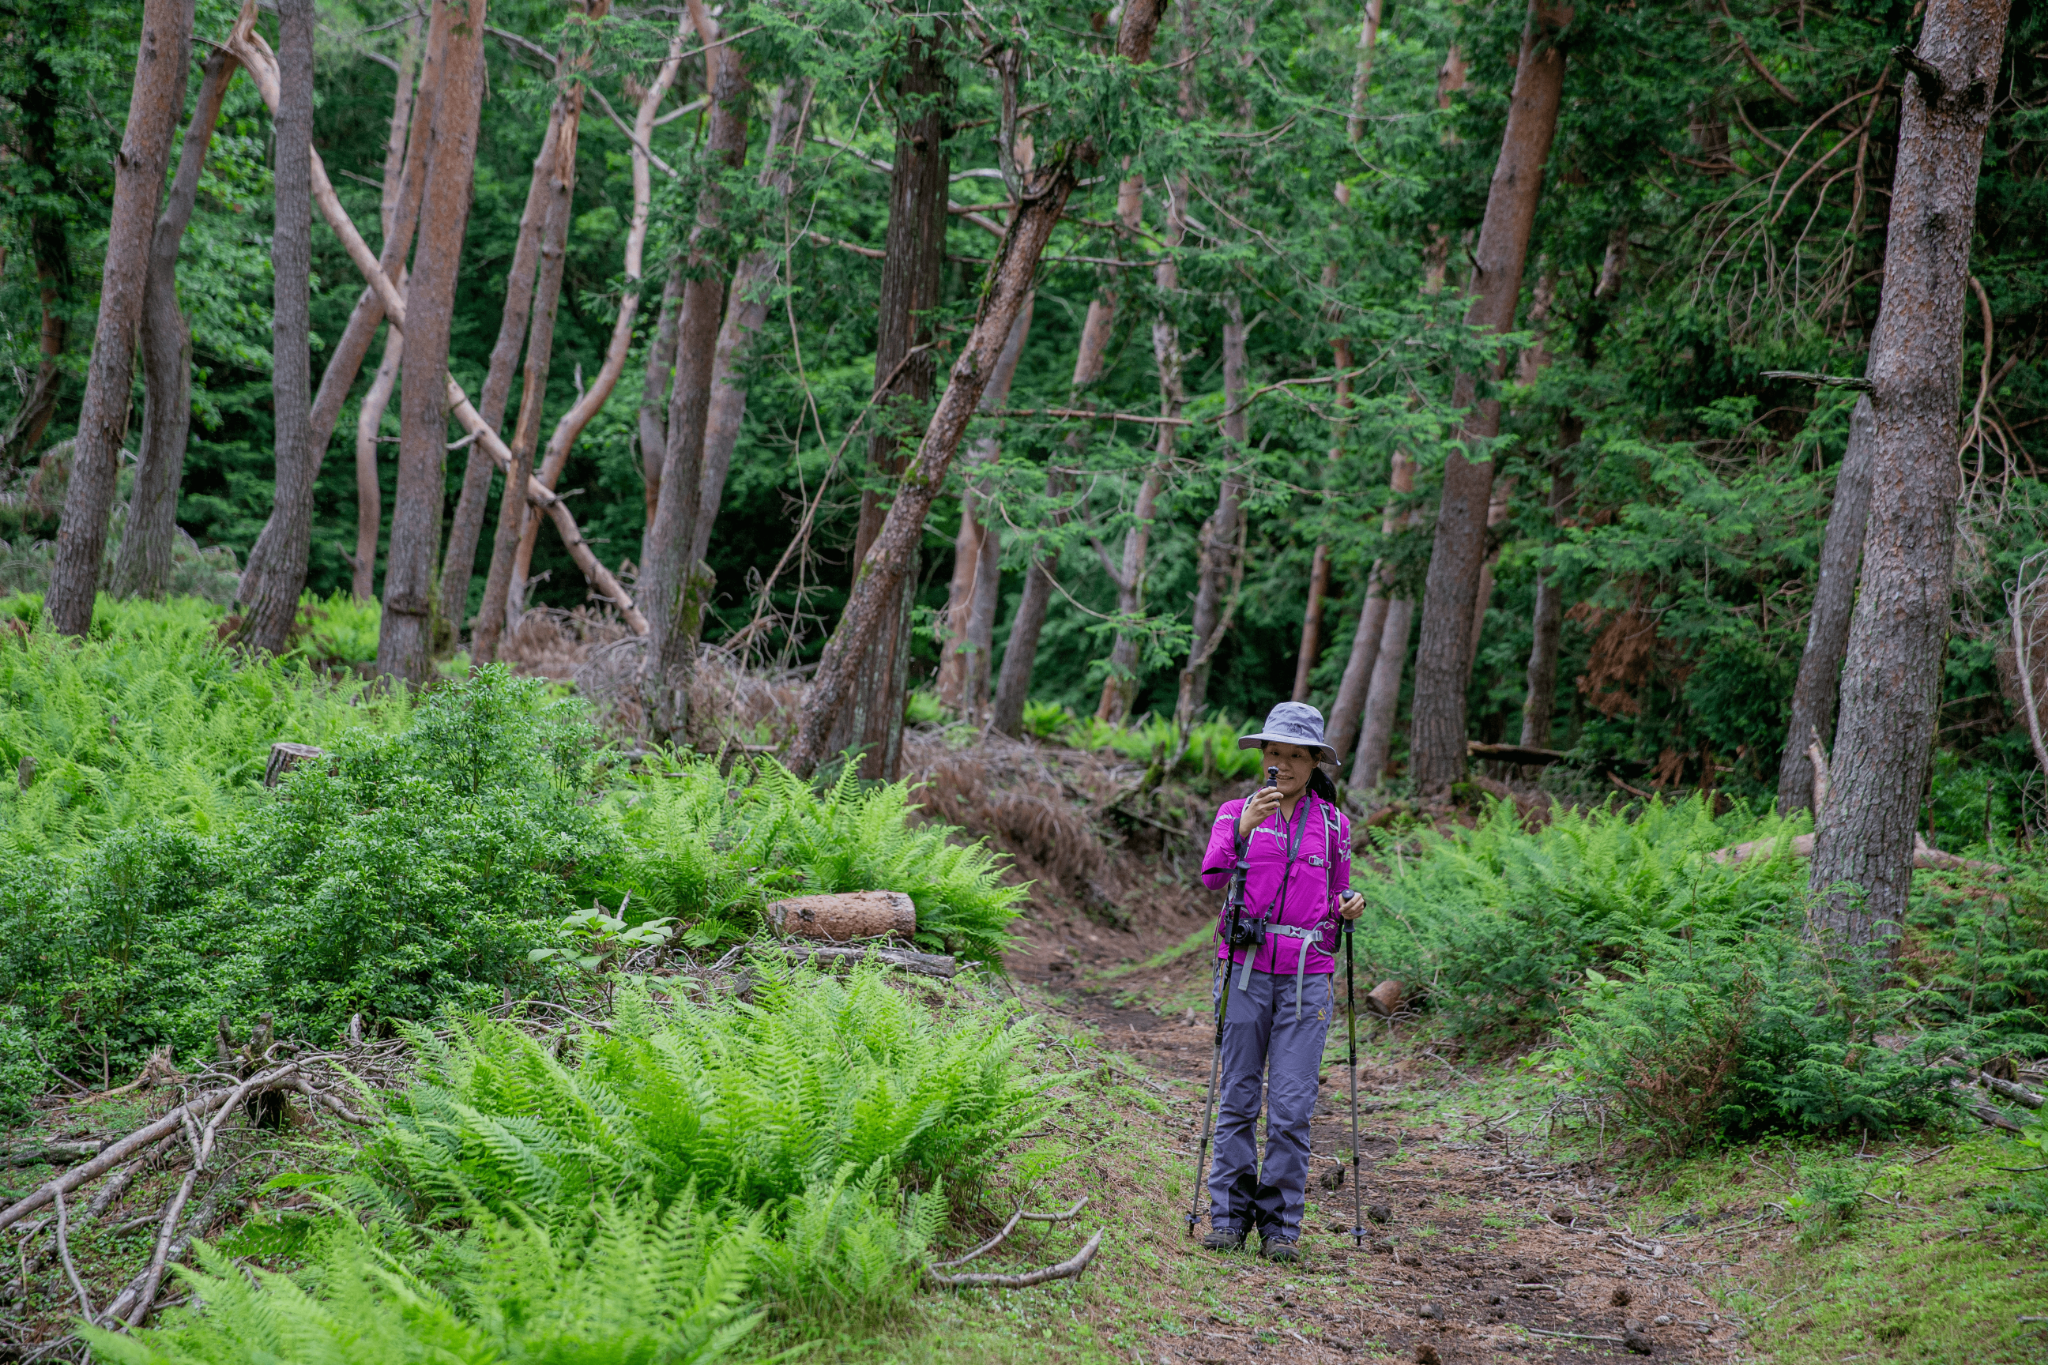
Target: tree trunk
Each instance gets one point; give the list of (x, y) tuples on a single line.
[(1827, 628), (973, 577), (593, 400), (369, 487), (500, 607), (672, 593), (1041, 200), (1383, 703), (346, 358), (37, 114), (1540, 701), (1013, 685), (270, 590), (142, 567), (466, 526), (158, 97), (1220, 570), (405, 644), (653, 419), (1355, 687), (1443, 658), (914, 255), (1892, 682), (1497, 504)]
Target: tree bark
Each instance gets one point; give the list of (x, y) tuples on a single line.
[(1020, 653), (1041, 200), (1834, 601), (1892, 682), (156, 100), (369, 486), (653, 421), (672, 593), (1383, 704), (405, 644), (142, 566), (466, 526), (914, 255), (500, 607), (1354, 689), (977, 552), (270, 589), (1540, 700), (38, 112), (1443, 658)]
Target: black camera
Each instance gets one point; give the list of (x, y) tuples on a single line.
[(1246, 932)]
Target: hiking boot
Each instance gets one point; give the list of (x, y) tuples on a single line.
[(1223, 1239), (1279, 1250)]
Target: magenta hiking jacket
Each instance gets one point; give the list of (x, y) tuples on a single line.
[(1305, 887)]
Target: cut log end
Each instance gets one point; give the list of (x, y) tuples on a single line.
[(845, 916), (285, 757)]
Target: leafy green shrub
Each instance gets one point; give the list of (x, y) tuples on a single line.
[(711, 850)]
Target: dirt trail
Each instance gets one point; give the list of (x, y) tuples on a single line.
[(1479, 1235)]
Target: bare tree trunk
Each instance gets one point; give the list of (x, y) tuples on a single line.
[(369, 487), (38, 111), (1354, 689), (1013, 684), (142, 566), (1219, 566), (405, 644), (974, 575), (466, 526), (1892, 682), (1528, 366), (157, 99), (270, 590), (1443, 658), (672, 592), (1827, 627), (1383, 705), (1041, 200), (1540, 701), (653, 419), (593, 400), (915, 246), (500, 608)]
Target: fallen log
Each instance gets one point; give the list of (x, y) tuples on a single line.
[(1925, 856), (1526, 755), (923, 964), (845, 916)]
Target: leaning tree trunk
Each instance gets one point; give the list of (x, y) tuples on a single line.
[(1540, 699), (1827, 628), (672, 591), (914, 255), (142, 567), (466, 525), (1020, 652), (1355, 686), (1040, 201), (1891, 685), (158, 97), (405, 643), (1443, 657), (38, 111), (269, 557), (270, 591)]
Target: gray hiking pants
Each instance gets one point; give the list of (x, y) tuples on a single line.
[(1265, 1047)]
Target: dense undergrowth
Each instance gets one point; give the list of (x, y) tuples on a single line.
[(1680, 988)]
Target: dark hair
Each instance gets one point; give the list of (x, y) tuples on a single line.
[(1319, 782)]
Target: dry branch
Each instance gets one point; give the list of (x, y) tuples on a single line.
[(1020, 1216), (939, 965), (1065, 1270)]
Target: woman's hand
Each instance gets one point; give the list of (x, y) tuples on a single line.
[(1352, 906), (1263, 803)]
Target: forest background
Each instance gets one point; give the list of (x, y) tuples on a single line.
[(1713, 207)]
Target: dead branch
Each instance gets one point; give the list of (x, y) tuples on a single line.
[(1019, 1216), (1926, 858), (70, 1270), (1065, 1270), (921, 964)]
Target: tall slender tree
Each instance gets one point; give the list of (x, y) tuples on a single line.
[(405, 641), (1443, 659), (1891, 682), (38, 113), (158, 97)]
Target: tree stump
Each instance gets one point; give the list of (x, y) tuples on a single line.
[(285, 757), (1385, 998), (845, 916)]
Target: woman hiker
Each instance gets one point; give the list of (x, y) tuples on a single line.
[(1298, 846)]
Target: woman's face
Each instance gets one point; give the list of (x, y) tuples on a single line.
[(1295, 764)]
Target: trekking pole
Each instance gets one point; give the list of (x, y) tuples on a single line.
[(1351, 1030)]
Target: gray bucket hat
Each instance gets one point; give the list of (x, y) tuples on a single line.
[(1293, 722)]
